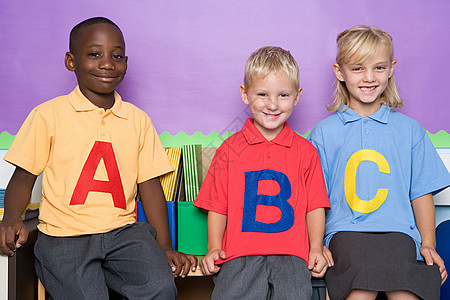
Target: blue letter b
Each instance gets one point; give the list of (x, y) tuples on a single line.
[(252, 200)]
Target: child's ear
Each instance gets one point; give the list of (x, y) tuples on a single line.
[(244, 94), (391, 69), (69, 61), (338, 72), (300, 90)]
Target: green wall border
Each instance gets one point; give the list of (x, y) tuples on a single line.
[(441, 139), (6, 140)]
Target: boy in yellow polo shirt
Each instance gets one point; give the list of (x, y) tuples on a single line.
[(95, 151)]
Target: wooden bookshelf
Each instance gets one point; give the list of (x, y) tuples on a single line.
[(18, 278)]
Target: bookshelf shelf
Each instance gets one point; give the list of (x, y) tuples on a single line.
[(17, 276)]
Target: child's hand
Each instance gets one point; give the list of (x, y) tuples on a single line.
[(327, 253), (181, 263), (207, 264), (13, 234), (318, 263), (432, 257)]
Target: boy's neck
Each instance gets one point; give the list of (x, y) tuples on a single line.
[(268, 134), (105, 101)]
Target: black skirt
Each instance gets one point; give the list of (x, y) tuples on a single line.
[(379, 262)]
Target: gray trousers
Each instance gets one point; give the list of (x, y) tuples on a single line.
[(128, 260), (263, 277)]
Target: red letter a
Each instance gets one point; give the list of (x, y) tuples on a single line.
[(86, 183)]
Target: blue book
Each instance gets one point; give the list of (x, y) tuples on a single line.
[(171, 213)]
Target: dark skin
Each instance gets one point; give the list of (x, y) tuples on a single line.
[(155, 209), (99, 62), (17, 196)]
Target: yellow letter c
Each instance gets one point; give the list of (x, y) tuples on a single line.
[(353, 163)]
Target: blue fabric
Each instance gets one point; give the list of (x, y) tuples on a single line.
[(252, 199), (373, 167), (443, 249), (171, 215)]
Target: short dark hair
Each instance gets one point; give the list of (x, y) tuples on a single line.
[(95, 20)]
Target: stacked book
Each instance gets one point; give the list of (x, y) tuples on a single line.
[(169, 182), (192, 168), (180, 188), (32, 210), (2, 203)]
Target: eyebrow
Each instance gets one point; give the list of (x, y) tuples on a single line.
[(376, 63), (96, 45)]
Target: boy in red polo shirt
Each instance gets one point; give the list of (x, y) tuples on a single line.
[(265, 194)]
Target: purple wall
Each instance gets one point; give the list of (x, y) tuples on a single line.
[(186, 58)]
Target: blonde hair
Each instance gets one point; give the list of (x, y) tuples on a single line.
[(270, 59), (360, 44)]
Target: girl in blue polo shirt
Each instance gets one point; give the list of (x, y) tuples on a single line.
[(381, 171)]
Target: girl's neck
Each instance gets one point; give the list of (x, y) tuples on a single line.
[(365, 110)]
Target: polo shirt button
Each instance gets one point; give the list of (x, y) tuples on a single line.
[(100, 112), (103, 122), (268, 167), (365, 121), (268, 155), (103, 134), (267, 145), (367, 131), (367, 144)]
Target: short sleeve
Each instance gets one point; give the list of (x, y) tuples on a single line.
[(316, 189), (32, 145), (429, 174), (316, 139), (153, 160)]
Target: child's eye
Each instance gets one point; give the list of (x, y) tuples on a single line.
[(284, 95), (356, 69), (117, 56), (94, 54), (262, 94), (380, 68)]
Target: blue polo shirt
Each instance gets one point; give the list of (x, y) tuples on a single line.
[(374, 167)]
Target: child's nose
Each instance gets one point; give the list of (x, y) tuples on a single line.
[(107, 63), (272, 103), (368, 76)]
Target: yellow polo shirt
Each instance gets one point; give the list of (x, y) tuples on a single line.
[(92, 161)]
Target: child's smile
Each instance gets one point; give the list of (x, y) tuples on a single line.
[(366, 81), (106, 77), (271, 100), (99, 63)]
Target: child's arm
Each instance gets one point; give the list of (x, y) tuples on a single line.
[(424, 214), (216, 229), (155, 209), (13, 232), (315, 222)]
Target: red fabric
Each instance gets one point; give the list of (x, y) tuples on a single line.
[(224, 186)]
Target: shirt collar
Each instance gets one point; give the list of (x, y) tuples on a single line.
[(253, 136), (81, 103), (381, 115)]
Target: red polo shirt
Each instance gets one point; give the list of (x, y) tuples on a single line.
[(265, 188)]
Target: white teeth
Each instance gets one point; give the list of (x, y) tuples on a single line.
[(367, 89)]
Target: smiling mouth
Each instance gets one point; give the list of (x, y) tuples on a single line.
[(271, 115), (106, 78), (368, 89)]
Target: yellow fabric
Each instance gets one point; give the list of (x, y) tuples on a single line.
[(57, 139)]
